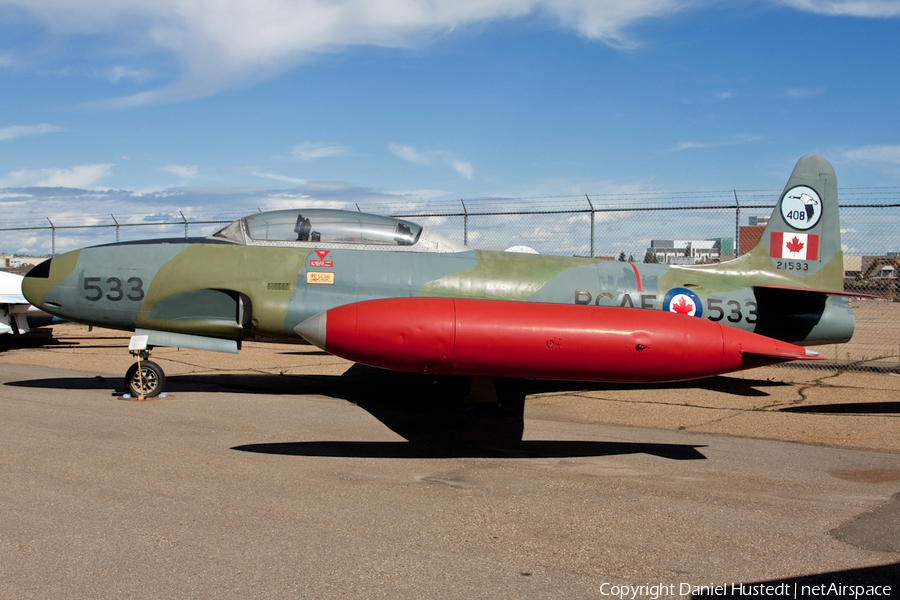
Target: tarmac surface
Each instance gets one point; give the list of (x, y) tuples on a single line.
[(283, 472)]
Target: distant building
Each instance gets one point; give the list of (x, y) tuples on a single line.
[(880, 267), (750, 237), (15, 261), (752, 233), (884, 266), (689, 252), (852, 265)]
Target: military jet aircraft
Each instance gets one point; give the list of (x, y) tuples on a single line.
[(389, 293)]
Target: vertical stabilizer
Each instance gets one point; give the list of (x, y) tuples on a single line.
[(803, 238)]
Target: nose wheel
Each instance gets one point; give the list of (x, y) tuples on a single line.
[(145, 378)]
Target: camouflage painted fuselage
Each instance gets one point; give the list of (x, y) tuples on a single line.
[(211, 289), (221, 290)]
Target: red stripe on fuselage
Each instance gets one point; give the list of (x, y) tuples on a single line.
[(636, 275)]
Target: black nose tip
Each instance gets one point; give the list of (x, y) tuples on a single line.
[(42, 271)]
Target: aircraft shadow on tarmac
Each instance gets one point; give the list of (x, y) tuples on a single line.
[(431, 415), (37, 338), (850, 408), (66, 383), (429, 412), (472, 449)]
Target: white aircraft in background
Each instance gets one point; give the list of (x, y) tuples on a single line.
[(15, 311)]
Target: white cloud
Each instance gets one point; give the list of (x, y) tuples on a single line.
[(14, 131), (690, 145), (277, 177), (800, 93), (118, 73), (183, 171), (420, 194), (228, 43), (428, 157), (875, 154), (27, 243), (82, 176), (6, 61), (409, 153), (852, 8), (463, 168), (312, 151)]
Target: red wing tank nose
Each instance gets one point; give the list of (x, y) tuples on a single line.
[(313, 330)]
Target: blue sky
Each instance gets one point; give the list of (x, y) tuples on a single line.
[(210, 107)]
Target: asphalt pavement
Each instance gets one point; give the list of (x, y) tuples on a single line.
[(352, 484)]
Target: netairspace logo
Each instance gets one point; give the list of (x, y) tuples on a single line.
[(793, 591)]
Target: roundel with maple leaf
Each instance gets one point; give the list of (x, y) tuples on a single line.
[(683, 301)]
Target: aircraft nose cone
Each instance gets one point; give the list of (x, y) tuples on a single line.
[(313, 330)]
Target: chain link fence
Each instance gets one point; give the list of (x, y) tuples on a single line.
[(613, 227)]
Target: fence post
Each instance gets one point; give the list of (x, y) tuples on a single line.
[(52, 237), (185, 224), (117, 226), (737, 226), (592, 224), (465, 224)]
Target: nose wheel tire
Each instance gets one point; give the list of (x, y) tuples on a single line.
[(152, 377)]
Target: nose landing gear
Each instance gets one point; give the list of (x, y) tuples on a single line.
[(145, 378)]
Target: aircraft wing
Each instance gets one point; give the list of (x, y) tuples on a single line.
[(11, 289), (12, 299), (13, 304)]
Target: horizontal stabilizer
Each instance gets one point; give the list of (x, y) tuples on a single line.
[(814, 291), (787, 354)]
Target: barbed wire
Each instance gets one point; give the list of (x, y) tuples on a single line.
[(597, 202)]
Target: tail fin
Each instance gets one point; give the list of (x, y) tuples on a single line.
[(796, 270), (802, 241)]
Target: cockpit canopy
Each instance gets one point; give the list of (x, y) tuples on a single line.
[(324, 227)]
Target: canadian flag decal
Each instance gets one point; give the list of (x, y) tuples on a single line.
[(801, 246)]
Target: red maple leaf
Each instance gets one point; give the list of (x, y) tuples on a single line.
[(682, 307), (794, 245)]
